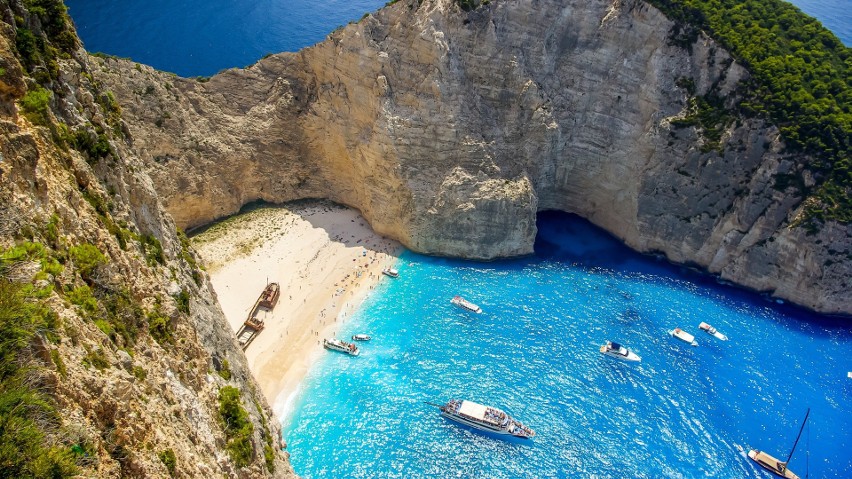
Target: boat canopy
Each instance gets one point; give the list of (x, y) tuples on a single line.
[(472, 409), (615, 346)]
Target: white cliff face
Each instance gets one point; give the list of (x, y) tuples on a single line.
[(450, 130)]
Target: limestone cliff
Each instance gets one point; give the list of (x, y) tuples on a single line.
[(449, 130), (136, 348)]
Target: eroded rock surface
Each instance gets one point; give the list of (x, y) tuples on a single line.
[(449, 130)]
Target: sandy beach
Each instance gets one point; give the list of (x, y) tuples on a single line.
[(326, 259)]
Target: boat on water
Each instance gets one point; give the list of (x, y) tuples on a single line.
[(393, 273), (465, 304), (776, 466), (615, 350), (484, 418), (683, 336), (361, 337), (712, 331), (337, 345)]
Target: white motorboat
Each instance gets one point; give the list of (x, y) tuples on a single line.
[(774, 465), (337, 345), (465, 304), (615, 350), (361, 337), (712, 331), (393, 273), (683, 336), (484, 418)]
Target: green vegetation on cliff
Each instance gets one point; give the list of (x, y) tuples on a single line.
[(801, 81), (30, 442), (238, 428)]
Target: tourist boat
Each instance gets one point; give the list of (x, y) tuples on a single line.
[(484, 418), (712, 331), (615, 350), (342, 346), (361, 337), (390, 272), (773, 465), (683, 336), (465, 304)]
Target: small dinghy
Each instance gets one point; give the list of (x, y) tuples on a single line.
[(683, 336), (361, 337), (615, 350), (712, 331)]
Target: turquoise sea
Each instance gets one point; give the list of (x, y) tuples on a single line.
[(682, 412), (193, 38)]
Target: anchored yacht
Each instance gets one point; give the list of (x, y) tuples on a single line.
[(465, 304)]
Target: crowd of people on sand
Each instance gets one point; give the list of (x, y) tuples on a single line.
[(352, 280)]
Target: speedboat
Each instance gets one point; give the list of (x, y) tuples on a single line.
[(361, 337), (485, 418), (342, 346), (390, 272), (465, 304), (683, 336), (615, 350), (712, 331)]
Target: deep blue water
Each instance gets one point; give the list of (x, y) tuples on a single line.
[(192, 38), (682, 412)]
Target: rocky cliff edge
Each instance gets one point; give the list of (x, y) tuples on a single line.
[(450, 130)]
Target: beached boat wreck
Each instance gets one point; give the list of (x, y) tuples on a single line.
[(485, 418), (253, 324), (335, 344), (465, 304)]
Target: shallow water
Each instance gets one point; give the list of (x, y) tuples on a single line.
[(681, 412)]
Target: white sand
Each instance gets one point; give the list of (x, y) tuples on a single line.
[(326, 259)]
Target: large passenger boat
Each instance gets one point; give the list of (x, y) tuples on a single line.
[(465, 304), (485, 418), (337, 345)]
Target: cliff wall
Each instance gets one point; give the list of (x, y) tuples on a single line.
[(135, 349), (449, 130)]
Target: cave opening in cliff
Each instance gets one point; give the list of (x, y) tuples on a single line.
[(570, 237)]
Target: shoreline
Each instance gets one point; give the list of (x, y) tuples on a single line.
[(326, 259)]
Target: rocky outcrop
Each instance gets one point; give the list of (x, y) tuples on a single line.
[(135, 356), (450, 130)]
